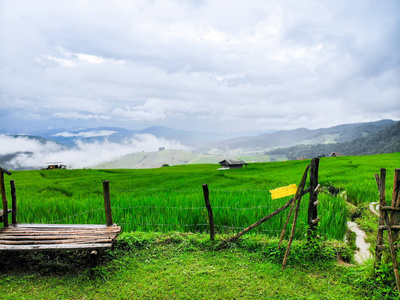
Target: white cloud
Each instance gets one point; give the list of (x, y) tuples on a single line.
[(86, 134), (80, 156), (197, 64), (76, 116)]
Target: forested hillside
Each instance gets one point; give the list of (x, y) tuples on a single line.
[(384, 141)]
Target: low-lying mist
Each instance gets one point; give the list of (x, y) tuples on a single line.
[(25, 152)]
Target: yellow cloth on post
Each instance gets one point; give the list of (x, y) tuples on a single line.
[(283, 191)]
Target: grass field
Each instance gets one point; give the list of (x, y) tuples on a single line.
[(182, 266), (166, 199), (175, 265)]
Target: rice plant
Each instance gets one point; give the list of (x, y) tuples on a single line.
[(168, 199)]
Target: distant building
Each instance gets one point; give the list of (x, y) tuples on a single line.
[(335, 154), (232, 164), (52, 167)]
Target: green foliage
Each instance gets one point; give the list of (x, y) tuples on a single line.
[(182, 266), (384, 141)]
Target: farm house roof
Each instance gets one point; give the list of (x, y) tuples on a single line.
[(232, 162)]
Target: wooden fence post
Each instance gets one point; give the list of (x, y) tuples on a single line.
[(107, 202), (300, 193), (209, 209), (13, 203), (394, 217), (3, 198), (312, 205), (381, 182)]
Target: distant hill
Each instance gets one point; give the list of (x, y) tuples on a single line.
[(286, 138), (118, 135), (384, 141), (144, 160)]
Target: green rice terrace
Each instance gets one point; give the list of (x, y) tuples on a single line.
[(165, 252)]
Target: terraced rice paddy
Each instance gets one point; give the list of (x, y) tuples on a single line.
[(171, 199)]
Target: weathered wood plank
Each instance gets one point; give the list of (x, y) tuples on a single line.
[(64, 233), (76, 241), (47, 237), (57, 237), (56, 247), (50, 226)]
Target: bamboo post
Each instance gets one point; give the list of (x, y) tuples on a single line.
[(296, 214), (393, 253), (209, 209), (381, 182), (396, 187), (312, 208), (13, 203), (298, 194), (394, 216), (107, 202), (286, 223), (286, 205), (3, 199)]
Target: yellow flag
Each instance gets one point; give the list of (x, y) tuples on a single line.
[(283, 191)]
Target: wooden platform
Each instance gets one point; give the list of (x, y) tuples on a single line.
[(57, 237)]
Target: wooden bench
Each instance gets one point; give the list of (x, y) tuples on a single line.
[(55, 237)]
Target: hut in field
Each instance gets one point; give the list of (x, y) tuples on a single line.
[(52, 166), (232, 164), (335, 154)]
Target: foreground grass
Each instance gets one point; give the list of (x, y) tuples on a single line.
[(185, 266)]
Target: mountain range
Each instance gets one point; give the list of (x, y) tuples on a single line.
[(185, 147)]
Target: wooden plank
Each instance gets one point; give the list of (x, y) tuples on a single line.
[(66, 233), (77, 241), (56, 247), (47, 237), (82, 226)]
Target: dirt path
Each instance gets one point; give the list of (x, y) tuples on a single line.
[(363, 253)]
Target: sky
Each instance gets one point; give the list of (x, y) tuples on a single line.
[(222, 66)]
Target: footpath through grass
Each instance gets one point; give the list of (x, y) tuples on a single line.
[(185, 266)]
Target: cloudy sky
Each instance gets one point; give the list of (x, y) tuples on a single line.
[(198, 65)]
